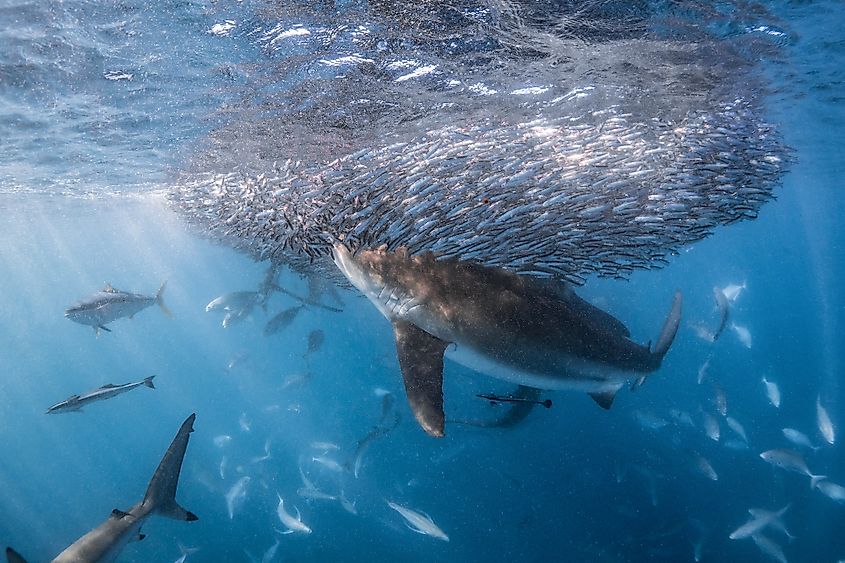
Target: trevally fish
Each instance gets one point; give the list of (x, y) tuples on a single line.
[(111, 304), (237, 304), (737, 427), (743, 334), (236, 495), (105, 542), (282, 320), (74, 403), (772, 392), (769, 547), (798, 438), (733, 291), (419, 522), (831, 490), (760, 519), (824, 422), (532, 332), (315, 341), (791, 461), (724, 311), (293, 524), (711, 426)]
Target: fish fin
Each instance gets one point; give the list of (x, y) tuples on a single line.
[(13, 556), (814, 480), (108, 386), (118, 514), (414, 529), (102, 327), (604, 399), (160, 301), (670, 327), (298, 515), (148, 381), (421, 361), (161, 492)]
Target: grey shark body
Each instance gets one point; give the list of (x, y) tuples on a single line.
[(529, 331), (105, 542), (111, 304), (74, 403)]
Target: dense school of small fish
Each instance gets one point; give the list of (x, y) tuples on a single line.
[(603, 193)]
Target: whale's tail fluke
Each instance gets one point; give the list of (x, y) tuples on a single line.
[(161, 492)]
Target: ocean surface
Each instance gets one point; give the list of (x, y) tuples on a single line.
[(104, 106)]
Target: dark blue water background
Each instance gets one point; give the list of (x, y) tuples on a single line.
[(84, 155)]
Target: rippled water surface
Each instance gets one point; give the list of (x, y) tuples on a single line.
[(111, 115)]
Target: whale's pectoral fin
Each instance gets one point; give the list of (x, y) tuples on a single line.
[(604, 399), (421, 361)]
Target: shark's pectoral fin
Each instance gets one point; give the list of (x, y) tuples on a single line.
[(118, 514), (604, 399), (421, 361)]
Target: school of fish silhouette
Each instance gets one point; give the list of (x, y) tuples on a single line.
[(602, 174)]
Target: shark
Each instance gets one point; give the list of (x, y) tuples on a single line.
[(530, 331), (74, 403), (105, 542)]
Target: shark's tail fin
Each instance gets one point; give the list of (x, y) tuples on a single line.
[(148, 381), (13, 556), (161, 492), (670, 327), (160, 300)]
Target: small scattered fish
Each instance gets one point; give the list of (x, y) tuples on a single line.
[(222, 440), (266, 455), (347, 505), (419, 522), (309, 490), (648, 420), (238, 305), (720, 400), (760, 519), (769, 547), (325, 446), (244, 423), (111, 304), (711, 426), (224, 464), (772, 392), (737, 427), (702, 371), (831, 490), (315, 341), (282, 320), (733, 291), (293, 524), (743, 334), (704, 468), (236, 495), (790, 461), (74, 403), (328, 463), (724, 311), (496, 399), (824, 422), (798, 438)]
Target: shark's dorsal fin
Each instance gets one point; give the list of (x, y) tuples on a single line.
[(604, 399), (109, 386), (421, 361), (72, 398), (161, 492)]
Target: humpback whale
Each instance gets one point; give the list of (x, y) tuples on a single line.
[(525, 330), (105, 542)]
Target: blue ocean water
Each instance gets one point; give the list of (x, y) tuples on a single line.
[(103, 104)]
